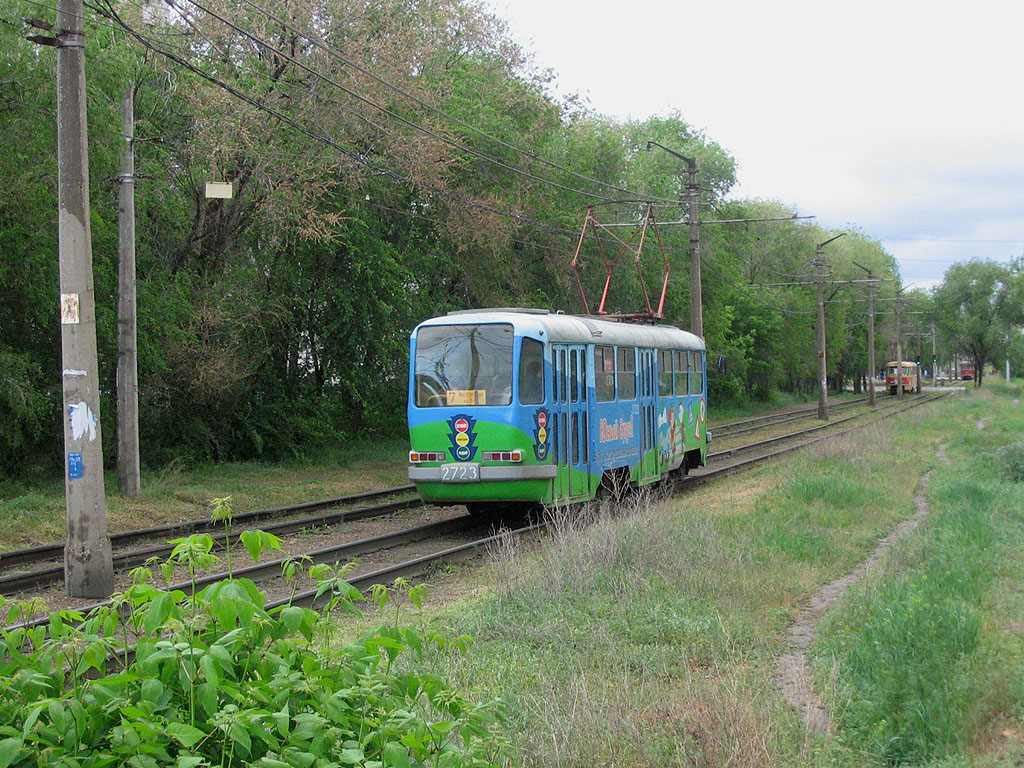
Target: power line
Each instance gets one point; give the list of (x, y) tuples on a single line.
[(331, 50), (951, 240), (390, 113), (351, 154)]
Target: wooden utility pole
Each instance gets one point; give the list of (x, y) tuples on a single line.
[(88, 566), (127, 350)]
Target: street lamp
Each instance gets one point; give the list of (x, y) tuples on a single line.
[(692, 190)]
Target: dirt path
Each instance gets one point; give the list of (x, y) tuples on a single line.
[(793, 674)]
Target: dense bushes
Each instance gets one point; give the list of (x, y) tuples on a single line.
[(214, 679)]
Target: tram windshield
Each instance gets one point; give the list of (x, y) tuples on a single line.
[(464, 365)]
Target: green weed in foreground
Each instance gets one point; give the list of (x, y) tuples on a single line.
[(215, 679)]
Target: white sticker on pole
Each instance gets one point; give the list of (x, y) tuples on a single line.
[(70, 309), (83, 422)]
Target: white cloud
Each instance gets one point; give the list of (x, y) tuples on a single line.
[(898, 116)]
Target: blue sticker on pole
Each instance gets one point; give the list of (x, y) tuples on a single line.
[(75, 470)]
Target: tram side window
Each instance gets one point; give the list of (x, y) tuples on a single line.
[(626, 373), (682, 365), (696, 374), (531, 372), (664, 372), (604, 373)]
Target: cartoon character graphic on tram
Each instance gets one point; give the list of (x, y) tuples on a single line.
[(520, 405)]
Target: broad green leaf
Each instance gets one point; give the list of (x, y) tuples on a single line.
[(292, 617), (9, 750), (151, 690), (157, 612), (395, 755), (351, 756), (240, 735), (184, 734)]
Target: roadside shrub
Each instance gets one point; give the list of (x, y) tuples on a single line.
[(1011, 461), (165, 678)]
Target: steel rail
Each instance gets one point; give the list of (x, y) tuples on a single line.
[(461, 552), (411, 568), (792, 435), (14, 584), (272, 568), (699, 476), (55, 550), (781, 418), (19, 582), (800, 412)]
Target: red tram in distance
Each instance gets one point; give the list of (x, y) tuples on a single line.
[(909, 375)]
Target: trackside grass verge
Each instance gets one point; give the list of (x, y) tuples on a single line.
[(926, 658), (35, 513), (651, 638)]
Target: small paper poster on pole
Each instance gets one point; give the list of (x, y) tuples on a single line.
[(69, 309)]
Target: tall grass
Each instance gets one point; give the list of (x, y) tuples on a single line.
[(650, 637), (646, 638), (910, 650)]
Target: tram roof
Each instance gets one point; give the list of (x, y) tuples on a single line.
[(577, 329)]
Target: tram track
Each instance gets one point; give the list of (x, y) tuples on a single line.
[(757, 423), (359, 548), (883, 409), (708, 473), (55, 550), (14, 583), (15, 579)]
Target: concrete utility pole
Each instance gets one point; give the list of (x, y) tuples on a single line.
[(1007, 357), (819, 263), (899, 350), (871, 335), (693, 214), (88, 566), (693, 217), (935, 359), (128, 480)]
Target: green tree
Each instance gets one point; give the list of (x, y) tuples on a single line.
[(974, 310)]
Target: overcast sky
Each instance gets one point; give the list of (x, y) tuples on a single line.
[(903, 119)]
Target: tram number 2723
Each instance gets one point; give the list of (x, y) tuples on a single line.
[(460, 473)]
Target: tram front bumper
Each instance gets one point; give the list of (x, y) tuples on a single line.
[(444, 474)]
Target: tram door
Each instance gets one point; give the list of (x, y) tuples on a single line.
[(648, 391), (572, 439)]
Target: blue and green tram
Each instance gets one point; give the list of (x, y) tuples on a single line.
[(522, 405)]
